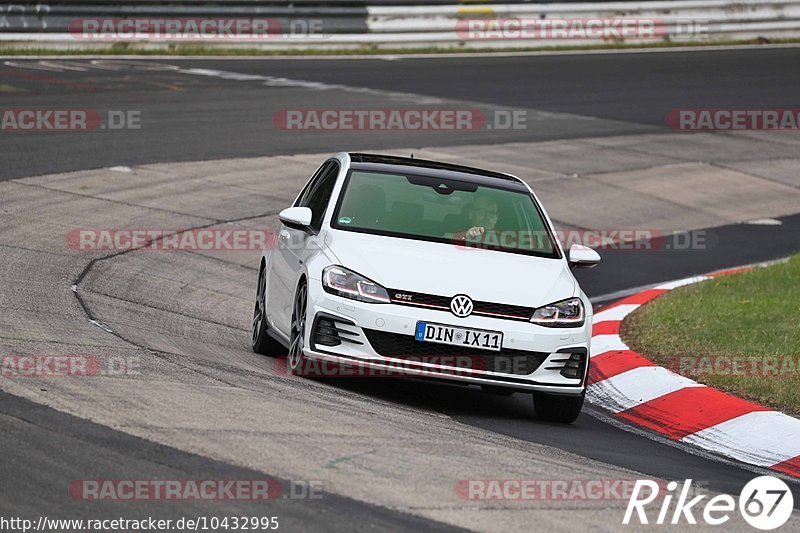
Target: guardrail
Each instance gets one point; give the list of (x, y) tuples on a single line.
[(405, 23), (338, 17), (687, 20)]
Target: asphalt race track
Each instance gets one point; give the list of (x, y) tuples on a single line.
[(204, 117), (206, 407)]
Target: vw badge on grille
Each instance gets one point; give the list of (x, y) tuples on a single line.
[(461, 305)]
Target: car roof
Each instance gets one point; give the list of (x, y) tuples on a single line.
[(424, 167)]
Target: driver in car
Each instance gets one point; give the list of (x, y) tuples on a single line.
[(482, 216)]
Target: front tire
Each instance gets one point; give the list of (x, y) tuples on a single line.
[(261, 341), (557, 408), (297, 360)]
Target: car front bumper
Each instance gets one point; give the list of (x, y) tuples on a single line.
[(377, 340)]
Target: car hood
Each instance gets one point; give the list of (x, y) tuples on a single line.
[(447, 270)]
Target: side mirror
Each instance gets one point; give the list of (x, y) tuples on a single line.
[(582, 257), (296, 217)]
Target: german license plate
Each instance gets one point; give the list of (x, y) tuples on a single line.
[(456, 336)]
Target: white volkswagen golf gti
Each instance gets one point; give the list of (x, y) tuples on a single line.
[(400, 266)]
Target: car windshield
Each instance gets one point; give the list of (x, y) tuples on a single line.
[(443, 210)]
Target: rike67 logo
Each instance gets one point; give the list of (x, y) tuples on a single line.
[(765, 503)]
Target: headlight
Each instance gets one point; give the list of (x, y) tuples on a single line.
[(564, 314), (342, 282)]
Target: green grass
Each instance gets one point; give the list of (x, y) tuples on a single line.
[(14, 49), (752, 317)]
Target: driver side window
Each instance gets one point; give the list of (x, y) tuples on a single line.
[(318, 194), (302, 199)]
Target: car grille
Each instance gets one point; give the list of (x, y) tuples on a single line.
[(490, 309), (506, 361)]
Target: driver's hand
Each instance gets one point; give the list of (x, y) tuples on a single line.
[(475, 232)]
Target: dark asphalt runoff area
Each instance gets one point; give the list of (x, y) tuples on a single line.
[(192, 116)]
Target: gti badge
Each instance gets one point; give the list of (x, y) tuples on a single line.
[(461, 305)]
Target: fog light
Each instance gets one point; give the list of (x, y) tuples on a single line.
[(325, 333), (575, 366)]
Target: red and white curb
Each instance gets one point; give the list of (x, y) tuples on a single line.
[(638, 391)]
